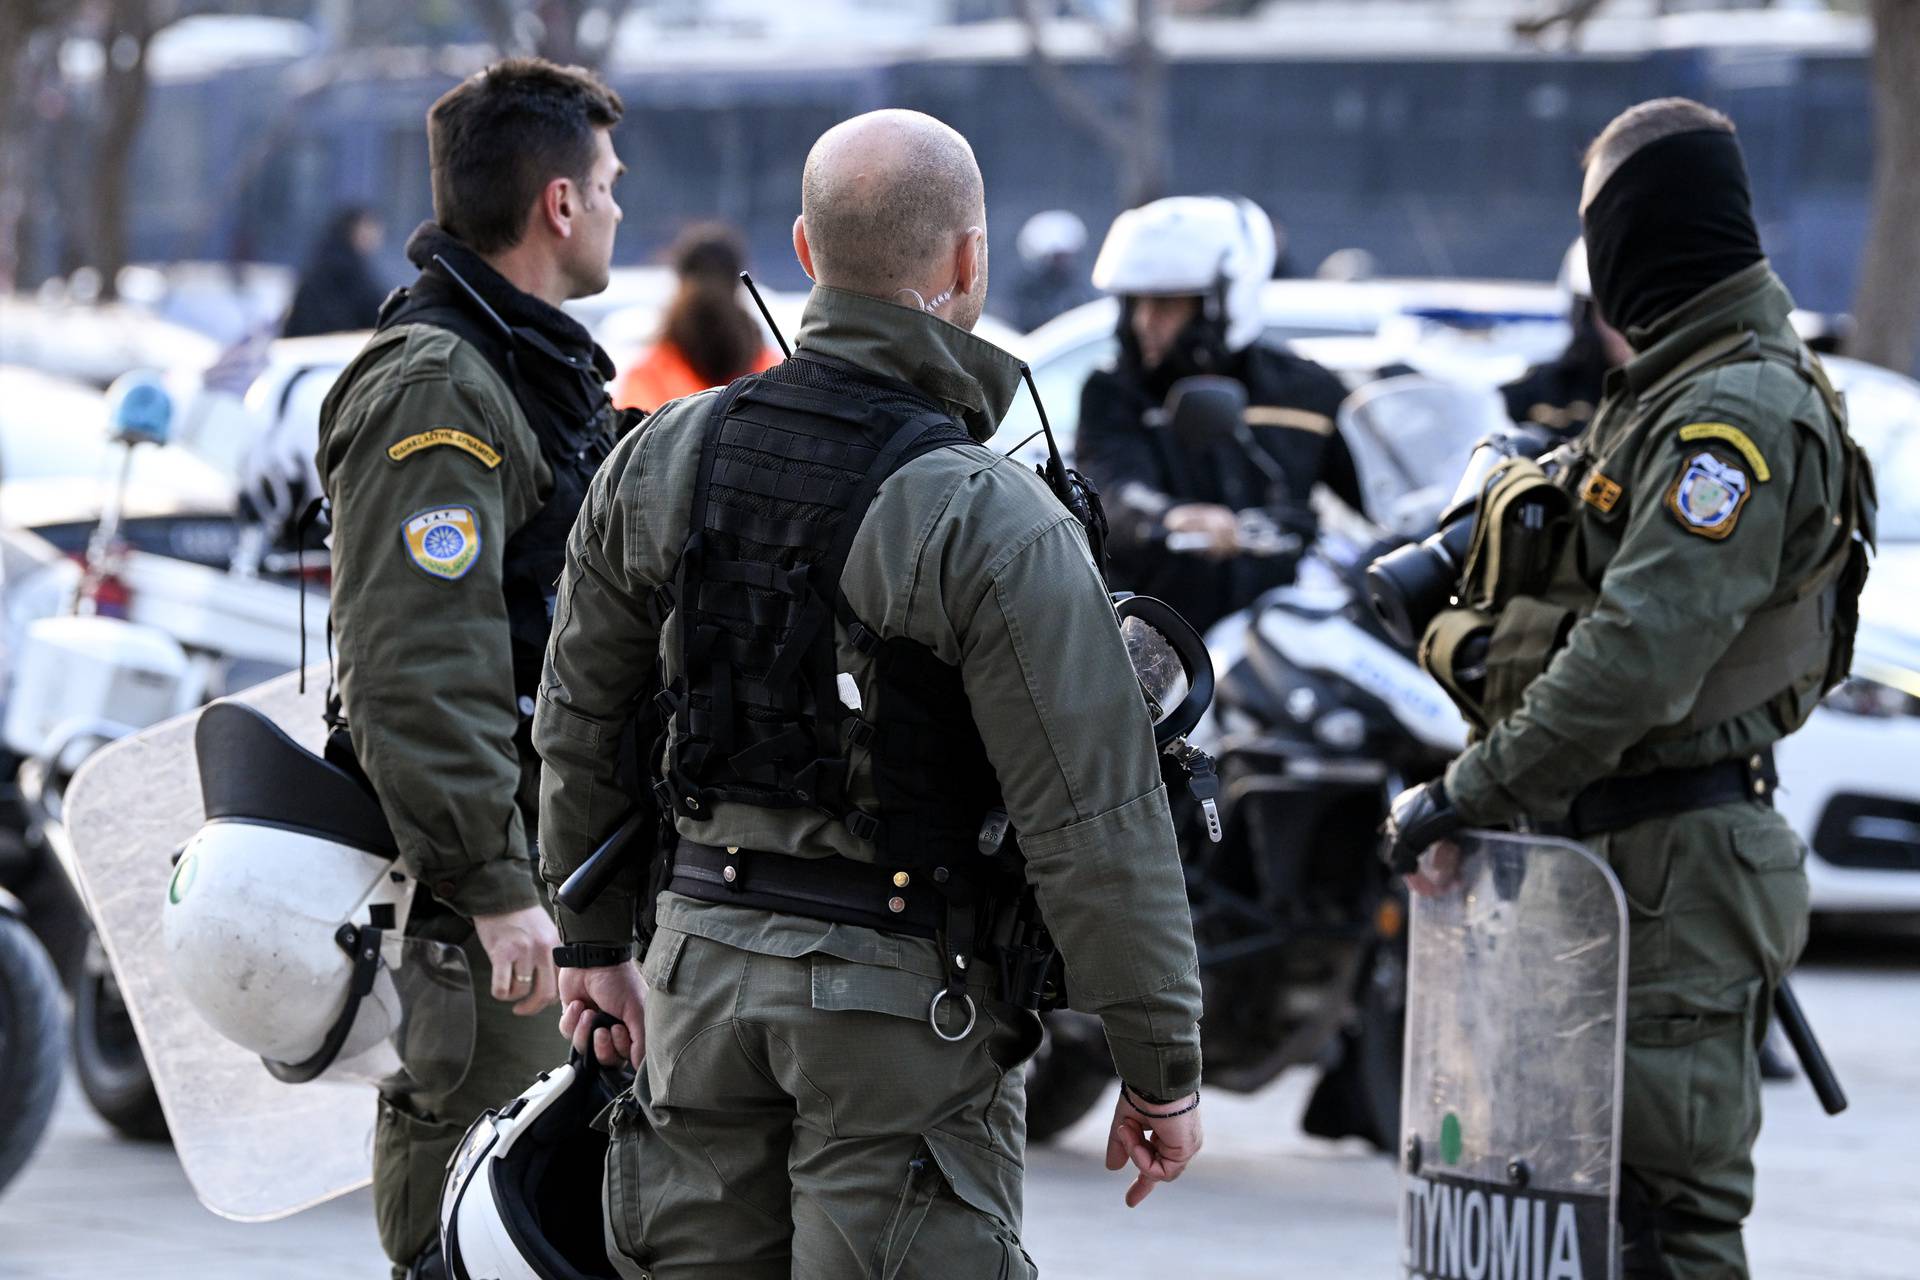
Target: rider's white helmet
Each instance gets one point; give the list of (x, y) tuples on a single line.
[(1053, 233), (1216, 247)]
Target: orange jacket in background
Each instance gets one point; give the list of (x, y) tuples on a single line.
[(662, 374)]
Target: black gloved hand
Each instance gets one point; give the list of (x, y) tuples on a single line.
[(1418, 818)]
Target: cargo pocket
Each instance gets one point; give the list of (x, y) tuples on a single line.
[(1644, 868), (1523, 641), (953, 1217), (410, 1160), (624, 1212), (663, 957), (1692, 1080), (1774, 897)]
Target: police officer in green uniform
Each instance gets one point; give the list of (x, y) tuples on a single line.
[(885, 658), (1698, 604), (456, 451)]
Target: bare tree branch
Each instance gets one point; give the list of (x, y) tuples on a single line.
[(1886, 306), (20, 24), (1072, 100), (1573, 16)]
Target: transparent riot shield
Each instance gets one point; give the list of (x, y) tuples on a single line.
[(1510, 1121), (253, 1148)]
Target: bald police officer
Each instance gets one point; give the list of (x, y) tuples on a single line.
[(1701, 604), (878, 644), (455, 450)]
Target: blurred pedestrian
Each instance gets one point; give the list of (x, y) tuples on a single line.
[(339, 291), (709, 338)]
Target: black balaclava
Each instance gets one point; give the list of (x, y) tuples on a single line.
[(1675, 219)]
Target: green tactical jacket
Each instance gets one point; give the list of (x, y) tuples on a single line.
[(1700, 498), (963, 551), (419, 423)]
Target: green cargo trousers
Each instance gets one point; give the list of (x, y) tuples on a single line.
[(1717, 915), (798, 1117), (416, 1133)]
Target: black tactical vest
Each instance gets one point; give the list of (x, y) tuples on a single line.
[(564, 398), (791, 460)]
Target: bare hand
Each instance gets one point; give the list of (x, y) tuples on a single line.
[(1218, 524), (615, 990), (520, 948), (1160, 1149), (1439, 870)]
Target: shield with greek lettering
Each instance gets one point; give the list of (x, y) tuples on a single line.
[(1510, 1118)]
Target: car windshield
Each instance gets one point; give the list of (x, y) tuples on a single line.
[(1883, 413)]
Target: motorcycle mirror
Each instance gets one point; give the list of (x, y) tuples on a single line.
[(1205, 410), (1171, 661)]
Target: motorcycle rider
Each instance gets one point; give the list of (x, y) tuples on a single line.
[(850, 669), (1189, 271), (1560, 394), (1702, 600), (456, 450)]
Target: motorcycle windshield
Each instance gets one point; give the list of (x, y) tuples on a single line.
[(1411, 438)]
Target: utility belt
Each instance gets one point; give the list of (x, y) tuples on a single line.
[(1002, 930), (1615, 803)]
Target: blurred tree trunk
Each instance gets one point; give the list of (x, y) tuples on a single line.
[(1887, 305), (129, 31), (1137, 137), (571, 32), (20, 22)]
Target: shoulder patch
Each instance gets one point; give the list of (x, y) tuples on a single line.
[(1730, 434), (452, 438), (1707, 495), (443, 542)]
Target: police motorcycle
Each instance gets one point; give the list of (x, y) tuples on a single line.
[(140, 639), (1319, 719)]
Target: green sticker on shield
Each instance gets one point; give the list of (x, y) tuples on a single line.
[(1450, 1139)]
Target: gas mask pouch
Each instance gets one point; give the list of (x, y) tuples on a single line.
[(1524, 521)]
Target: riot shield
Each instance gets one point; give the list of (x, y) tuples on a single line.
[(1510, 1119), (253, 1148)]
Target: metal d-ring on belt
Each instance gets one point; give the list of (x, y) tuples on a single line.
[(835, 889)]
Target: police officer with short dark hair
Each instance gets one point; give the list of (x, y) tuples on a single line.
[(455, 450), (1701, 601), (879, 646)]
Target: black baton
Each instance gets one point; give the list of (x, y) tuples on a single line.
[(1819, 1071), (592, 877)]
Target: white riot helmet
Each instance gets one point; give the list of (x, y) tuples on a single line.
[(1216, 247), (1054, 233), (285, 917), (1576, 278), (521, 1200)]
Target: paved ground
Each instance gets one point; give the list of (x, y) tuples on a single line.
[(1837, 1197)]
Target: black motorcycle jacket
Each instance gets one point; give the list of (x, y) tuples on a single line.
[(1141, 472)]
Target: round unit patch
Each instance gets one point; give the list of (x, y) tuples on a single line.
[(443, 542)]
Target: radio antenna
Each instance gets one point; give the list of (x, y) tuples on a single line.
[(765, 314)]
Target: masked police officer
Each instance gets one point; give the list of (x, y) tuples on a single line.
[(1700, 604), (879, 645), (456, 450)]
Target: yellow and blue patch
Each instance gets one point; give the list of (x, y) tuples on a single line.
[(443, 542)]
